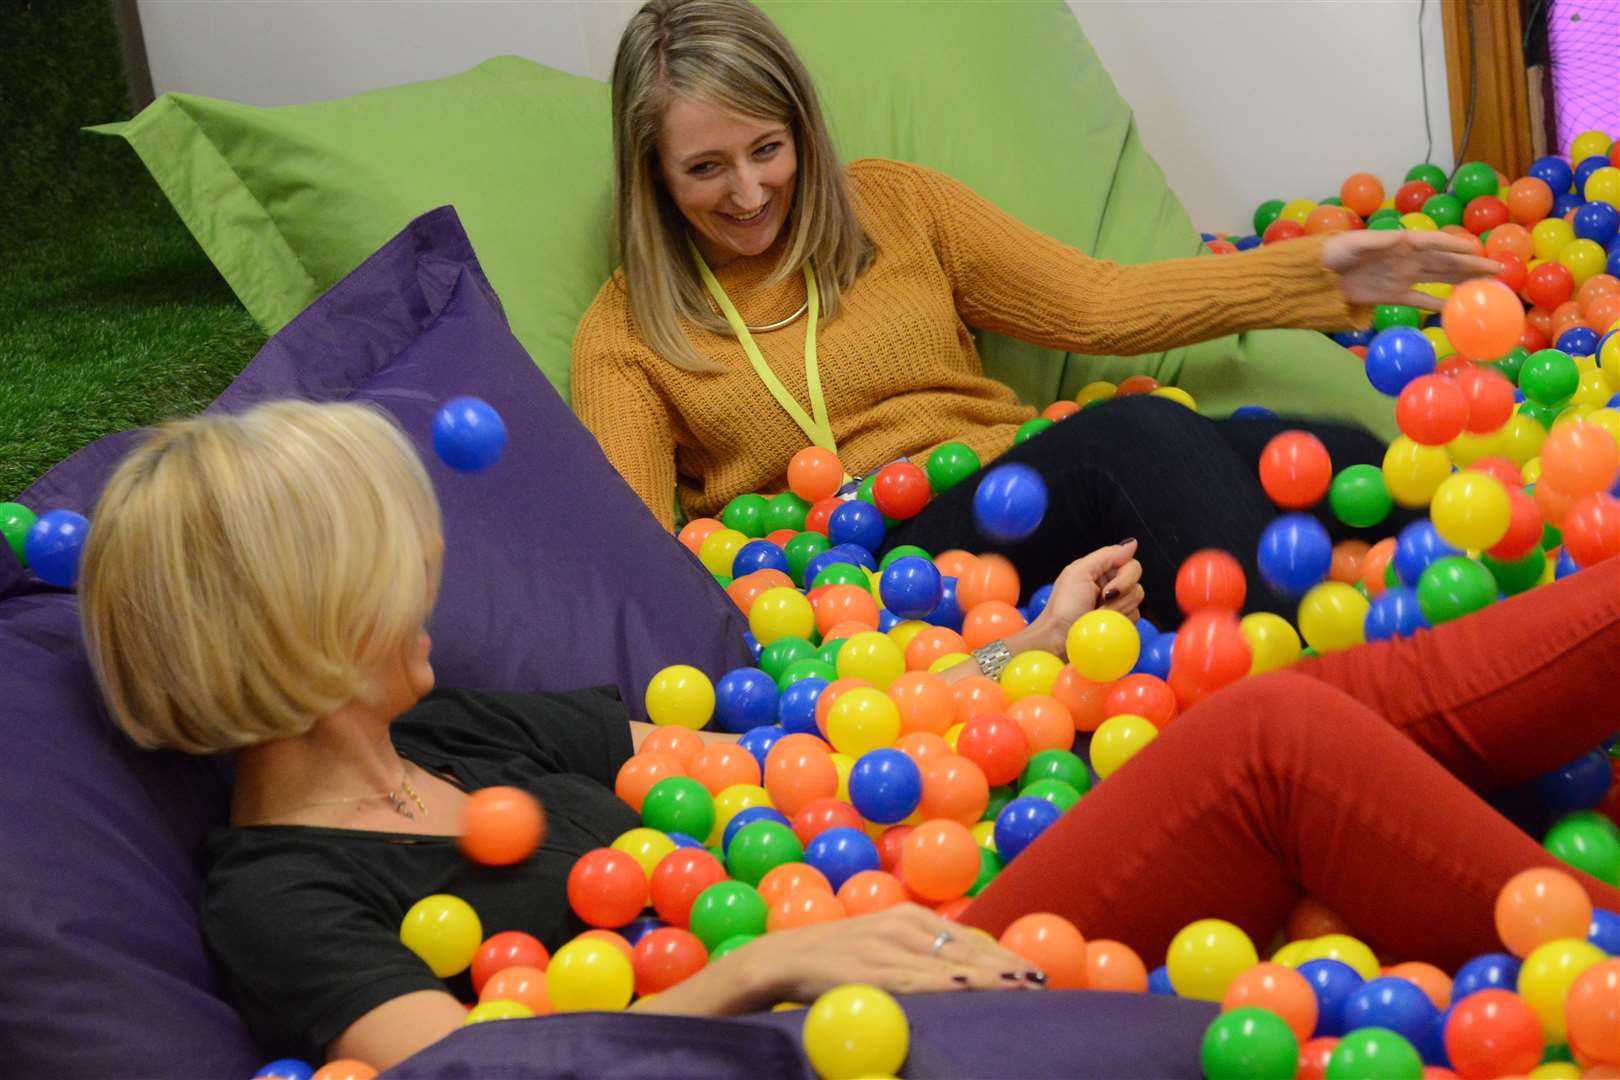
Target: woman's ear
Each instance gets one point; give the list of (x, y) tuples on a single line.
[(418, 668)]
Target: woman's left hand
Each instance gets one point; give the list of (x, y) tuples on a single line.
[(1381, 266), (1109, 577)]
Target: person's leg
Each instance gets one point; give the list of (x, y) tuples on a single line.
[(1506, 694), (1276, 787), (1139, 466)]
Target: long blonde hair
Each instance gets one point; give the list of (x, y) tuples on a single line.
[(726, 53), (243, 573)]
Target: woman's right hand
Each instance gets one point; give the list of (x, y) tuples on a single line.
[(887, 949)]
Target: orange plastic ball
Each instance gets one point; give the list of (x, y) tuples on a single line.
[(1347, 556), (1482, 318), (1510, 239), (846, 630), (1579, 459), (721, 765), (977, 695), (1281, 989), (1053, 944), (613, 938), (953, 788), (1538, 906), (1529, 199), (1592, 1012), (1426, 977), (931, 644), (1113, 965), (1603, 312), (1595, 288), (804, 907), (797, 775), (780, 881), (1295, 469), (1133, 385), (524, 985), (638, 775), (955, 562), (1374, 564), (845, 603), (992, 620), (1059, 410), (1046, 722), (1552, 503), (509, 948), (939, 860), (1086, 700), (871, 890), (991, 577), (1363, 193), (924, 746), (1327, 219), (501, 826), (830, 696), (1313, 919), (1210, 579), (924, 700), (1315, 1055), (344, 1069), (1592, 529), (675, 741), (815, 473)]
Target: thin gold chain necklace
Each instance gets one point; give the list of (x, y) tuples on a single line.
[(395, 799)]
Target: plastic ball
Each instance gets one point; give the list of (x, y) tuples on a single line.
[(1452, 587), (1142, 695), (814, 474), (589, 974), (1020, 822), (840, 853), (344, 1069), (900, 490), (744, 699), (1103, 645), (781, 612), (950, 464), (1332, 982), (871, 656), (284, 1069), (1395, 613), (1210, 578), (607, 888), (501, 826), (1205, 956), (1587, 841), (1117, 740), (1493, 1033), (54, 544), (1278, 989), (1359, 497), (678, 879), (861, 720), (856, 1030), (954, 788), (1010, 503), (885, 786), (1030, 674), (760, 847), (1295, 469), (1591, 530), (1579, 459), (1332, 617), (15, 522), (1547, 976), (468, 434), (1374, 1053), (1295, 553), (1396, 356), (1432, 410), (911, 587), (1209, 650), (725, 910), (1395, 1005), (1482, 318), (1053, 945), (1548, 377), (997, 744), (1592, 1013), (444, 931), (1471, 510), (1273, 641)]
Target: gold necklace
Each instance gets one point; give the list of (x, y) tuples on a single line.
[(395, 799), (768, 327)]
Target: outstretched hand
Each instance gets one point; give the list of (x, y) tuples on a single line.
[(1380, 267), (1109, 577)]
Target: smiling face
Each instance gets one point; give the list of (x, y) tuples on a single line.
[(730, 176)]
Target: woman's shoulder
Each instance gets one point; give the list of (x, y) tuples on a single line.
[(607, 326)]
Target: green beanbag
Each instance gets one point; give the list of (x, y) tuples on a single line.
[(1007, 97)]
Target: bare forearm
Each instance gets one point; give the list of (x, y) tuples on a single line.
[(1034, 636), (728, 987)]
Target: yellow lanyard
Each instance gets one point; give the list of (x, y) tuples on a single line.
[(816, 429)]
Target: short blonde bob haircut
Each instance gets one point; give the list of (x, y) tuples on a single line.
[(728, 54), (243, 573)]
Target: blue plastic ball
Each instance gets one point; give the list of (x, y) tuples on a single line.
[(1565, 566), (857, 554), (1611, 265), (1253, 412), (823, 560), (468, 434), (639, 927), (748, 817), (1146, 631), (1580, 785), (796, 709), (744, 699), (758, 555), (1489, 971), (753, 643), (1418, 545), (1397, 356), (1010, 503), (1553, 171), (1020, 822), (1578, 341), (1605, 930), (285, 1069), (1351, 338), (1154, 659), (948, 613), (1585, 168), (54, 544), (856, 522), (1597, 221), (885, 785), (758, 741), (1159, 982), (1247, 243), (1396, 1004), (887, 620), (1563, 204), (1333, 981), (1295, 553), (682, 840), (840, 854), (1394, 614), (911, 587)]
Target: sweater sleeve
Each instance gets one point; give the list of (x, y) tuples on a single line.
[(618, 404), (1012, 279)]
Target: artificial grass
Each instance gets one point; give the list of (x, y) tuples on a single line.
[(111, 316)]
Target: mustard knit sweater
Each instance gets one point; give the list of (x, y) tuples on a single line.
[(898, 366)]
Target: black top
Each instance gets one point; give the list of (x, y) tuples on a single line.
[(304, 921)]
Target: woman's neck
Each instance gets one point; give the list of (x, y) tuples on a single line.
[(346, 759)]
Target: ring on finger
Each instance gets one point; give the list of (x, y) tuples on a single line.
[(940, 941)]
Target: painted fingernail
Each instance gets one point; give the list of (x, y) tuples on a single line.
[(959, 980), (1036, 977), (1012, 976), (1127, 540), (1110, 596)]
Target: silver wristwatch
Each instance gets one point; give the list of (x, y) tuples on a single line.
[(992, 658)]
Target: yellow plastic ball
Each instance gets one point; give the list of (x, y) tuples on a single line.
[(1603, 186), (1031, 672), (732, 801), (953, 733), (1332, 617), (984, 834), (1103, 645), (1556, 1070), (1573, 411), (948, 661), (788, 1006), (444, 931), (1549, 236), (1437, 289), (1587, 144), (1292, 954), (588, 974), (1471, 510), (496, 1009), (1437, 337), (1412, 471), (719, 549), (1095, 391), (1606, 419), (1548, 973), (1176, 394), (1418, 221), (856, 1030), (781, 612), (1388, 203), (680, 695), (1609, 356), (1468, 448), (1346, 950), (1272, 640), (1521, 439), (1206, 956), (1297, 210), (871, 656), (862, 720), (646, 846), (1531, 470), (1593, 390), (1117, 740), (843, 764), (1584, 258), (901, 633)]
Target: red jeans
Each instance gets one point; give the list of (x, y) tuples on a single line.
[(1352, 778)]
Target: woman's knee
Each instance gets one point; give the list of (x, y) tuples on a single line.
[(1280, 715)]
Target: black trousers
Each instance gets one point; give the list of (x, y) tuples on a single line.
[(1148, 468)]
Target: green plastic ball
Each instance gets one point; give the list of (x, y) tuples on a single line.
[(1056, 792), (724, 580), (1444, 210), (1386, 224), (15, 522), (1587, 841), (1249, 1044), (903, 551), (731, 944), (1374, 1053), (785, 511), (1473, 180), (1057, 765), (999, 798), (678, 804), (746, 514), (1383, 213), (1331, 200), (726, 909), (863, 490), (760, 847), (1541, 414), (782, 653), (1359, 497), (828, 653), (800, 550), (1453, 587), (949, 465), (1266, 213), (1388, 315), (990, 865), (1433, 175), (1030, 428), (1549, 376), (841, 573), (1515, 576), (1512, 363), (809, 667)]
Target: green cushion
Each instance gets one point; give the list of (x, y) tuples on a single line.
[(1008, 98)]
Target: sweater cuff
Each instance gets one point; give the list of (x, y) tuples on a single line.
[(1306, 288)]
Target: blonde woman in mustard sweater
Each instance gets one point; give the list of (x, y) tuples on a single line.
[(854, 289)]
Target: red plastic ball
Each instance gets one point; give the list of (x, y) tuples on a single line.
[(1210, 579), (1132, 385), (1549, 285), (1484, 213), (607, 888), (1142, 695), (666, 956), (509, 948), (1295, 469), (1432, 410), (1524, 528), (1493, 1033), (1410, 196), (1210, 650), (816, 519), (997, 745), (900, 490), (678, 879), (1592, 529), (1280, 230), (1514, 273), (823, 814), (893, 840), (1490, 398)]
